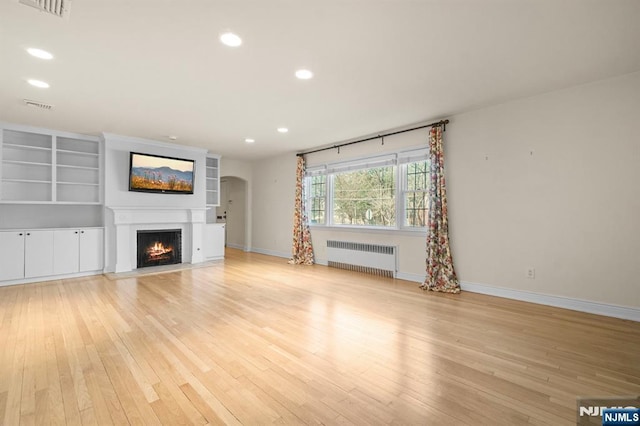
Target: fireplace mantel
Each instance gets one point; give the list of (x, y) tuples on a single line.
[(126, 221)]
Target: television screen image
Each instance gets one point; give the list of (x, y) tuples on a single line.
[(154, 173)]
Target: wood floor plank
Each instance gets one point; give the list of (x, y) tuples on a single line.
[(31, 356), (68, 390), (201, 405), (167, 408), (103, 394), (254, 340), (172, 388), (15, 354), (53, 407), (3, 404), (178, 344)]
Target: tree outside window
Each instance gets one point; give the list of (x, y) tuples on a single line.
[(365, 197), (415, 194), (317, 189), (362, 194)]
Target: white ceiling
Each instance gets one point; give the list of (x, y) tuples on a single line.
[(156, 68)]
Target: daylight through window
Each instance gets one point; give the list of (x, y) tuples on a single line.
[(371, 192), (365, 197), (318, 197), (415, 194)]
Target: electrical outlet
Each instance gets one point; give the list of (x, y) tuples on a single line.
[(530, 273)]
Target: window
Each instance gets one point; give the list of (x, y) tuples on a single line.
[(388, 191), (415, 193), (365, 197), (317, 198)]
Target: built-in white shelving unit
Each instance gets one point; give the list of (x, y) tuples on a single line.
[(27, 171), (213, 180), (48, 167)]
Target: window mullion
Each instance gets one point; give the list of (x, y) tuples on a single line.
[(307, 190), (401, 185), (329, 200)]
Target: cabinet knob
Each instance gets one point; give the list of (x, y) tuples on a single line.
[(21, 234), (28, 233), (76, 232), (82, 232)]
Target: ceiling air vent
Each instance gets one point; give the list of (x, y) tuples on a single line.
[(36, 104), (55, 7)]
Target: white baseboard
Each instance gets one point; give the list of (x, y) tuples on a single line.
[(236, 246), (597, 308), (271, 252), (49, 278), (285, 255), (206, 259), (410, 277)]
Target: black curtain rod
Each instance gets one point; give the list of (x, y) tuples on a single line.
[(442, 123)]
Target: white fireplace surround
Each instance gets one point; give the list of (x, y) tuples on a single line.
[(127, 221)]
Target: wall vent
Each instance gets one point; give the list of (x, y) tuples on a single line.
[(369, 258), (36, 104), (55, 7)]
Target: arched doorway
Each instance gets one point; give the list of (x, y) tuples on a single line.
[(233, 210)]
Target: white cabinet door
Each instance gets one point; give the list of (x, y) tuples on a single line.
[(66, 251), (11, 255), (91, 249), (38, 254), (214, 241)]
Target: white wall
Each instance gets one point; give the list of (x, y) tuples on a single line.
[(273, 200), (238, 168), (549, 182), (559, 192)]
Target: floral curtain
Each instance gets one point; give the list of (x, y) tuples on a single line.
[(302, 249), (440, 273)]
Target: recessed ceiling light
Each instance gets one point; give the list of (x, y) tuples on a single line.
[(304, 74), (38, 83), (283, 129), (173, 137), (39, 53), (231, 39), (249, 140)]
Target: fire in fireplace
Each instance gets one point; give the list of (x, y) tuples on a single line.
[(159, 247)]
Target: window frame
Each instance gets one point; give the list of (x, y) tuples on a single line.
[(309, 197), (399, 159), (405, 190), (395, 197)]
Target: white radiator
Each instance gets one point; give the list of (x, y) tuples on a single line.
[(370, 258)]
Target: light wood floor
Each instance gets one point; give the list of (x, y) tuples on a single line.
[(254, 340)]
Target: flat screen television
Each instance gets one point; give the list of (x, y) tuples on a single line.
[(155, 173)]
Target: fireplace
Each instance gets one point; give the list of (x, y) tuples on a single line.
[(159, 247)]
